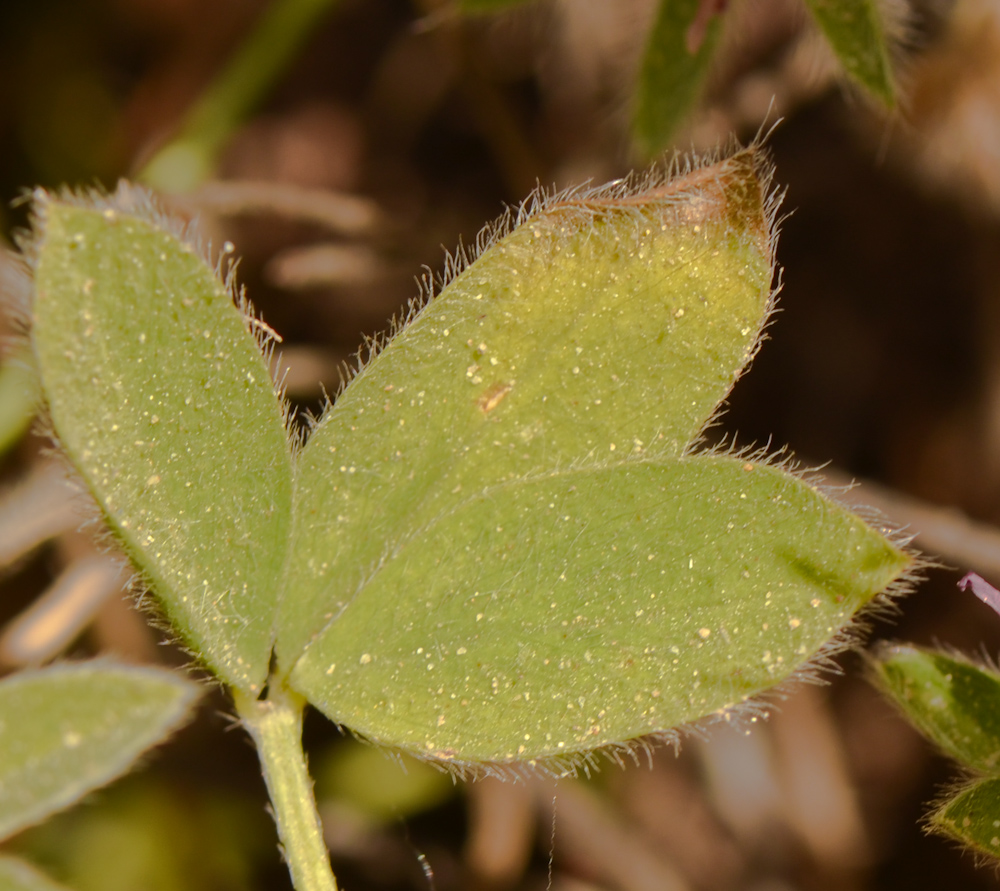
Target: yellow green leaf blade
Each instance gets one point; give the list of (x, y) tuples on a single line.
[(548, 617), (70, 729), (159, 394), (857, 34), (605, 325)]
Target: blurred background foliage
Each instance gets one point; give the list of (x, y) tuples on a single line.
[(396, 128)]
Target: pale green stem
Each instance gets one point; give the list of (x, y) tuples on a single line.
[(276, 727), (189, 158)]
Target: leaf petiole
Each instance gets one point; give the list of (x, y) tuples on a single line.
[(275, 724)]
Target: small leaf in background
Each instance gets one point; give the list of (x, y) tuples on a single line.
[(160, 396), (472, 7), (857, 34), (499, 521), (70, 729), (18, 875), (151, 834), (951, 701), (982, 589), (382, 790), (678, 54), (244, 81), (19, 397), (973, 817)]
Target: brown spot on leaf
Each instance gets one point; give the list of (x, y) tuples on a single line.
[(493, 396)]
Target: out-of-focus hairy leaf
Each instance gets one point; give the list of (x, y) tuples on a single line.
[(951, 701), (69, 729), (972, 817), (857, 34), (671, 75)]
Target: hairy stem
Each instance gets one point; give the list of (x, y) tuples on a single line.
[(276, 727)]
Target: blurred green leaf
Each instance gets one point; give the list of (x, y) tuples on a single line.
[(162, 400), (671, 76), (19, 397), (531, 564), (18, 875), (252, 71), (484, 6), (383, 789), (951, 701), (973, 817), (146, 834), (856, 33), (70, 729)]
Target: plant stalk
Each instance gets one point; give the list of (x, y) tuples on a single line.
[(246, 78), (276, 727)]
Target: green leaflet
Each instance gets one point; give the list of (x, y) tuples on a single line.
[(973, 817), (671, 77), (951, 701), (18, 875), (602, 329), (70, 729), (857, 34), (161, 398), (590, 606)]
